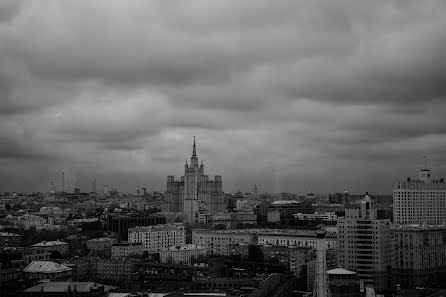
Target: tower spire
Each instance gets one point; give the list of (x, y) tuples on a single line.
[(194, 151)]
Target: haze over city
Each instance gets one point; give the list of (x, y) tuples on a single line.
[(290, 95)]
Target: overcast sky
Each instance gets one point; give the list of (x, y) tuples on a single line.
[(292, 95)]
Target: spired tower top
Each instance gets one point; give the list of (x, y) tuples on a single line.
[(194, 158)]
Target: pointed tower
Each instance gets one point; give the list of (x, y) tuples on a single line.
[(194, 159)]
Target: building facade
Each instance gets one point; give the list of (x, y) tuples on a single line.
[(194, 195), (365, 245), (217, 242), (126, 249), (182, 254), (121, 223), (419, 201), (50, 246), (420, 254), (102, 245), (155, 238)]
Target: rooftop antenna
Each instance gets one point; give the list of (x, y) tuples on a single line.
[(63, 181), (424, 156)]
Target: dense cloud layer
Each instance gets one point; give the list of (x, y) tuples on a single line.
[(291, 95)]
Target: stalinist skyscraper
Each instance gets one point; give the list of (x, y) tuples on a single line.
[(194, 195)]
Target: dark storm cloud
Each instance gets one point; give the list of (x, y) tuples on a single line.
[(291, 90)]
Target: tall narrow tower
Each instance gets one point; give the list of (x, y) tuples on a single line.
[(63, 181), (321, 288)]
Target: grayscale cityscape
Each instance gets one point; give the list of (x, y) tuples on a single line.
[(227, 148)]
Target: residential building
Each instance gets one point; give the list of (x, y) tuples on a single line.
[(126, 249), (38, 270), (420, 254), (298, 238), (49, 246), (195, 194), (27, 221), (365, 245), (10, 239), (181, 253), (113, 271), (418, 201), (217, 242), (232, 220), (155, 238), (102, 245), (122, 223)]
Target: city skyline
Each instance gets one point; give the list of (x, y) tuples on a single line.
[(292, 96)]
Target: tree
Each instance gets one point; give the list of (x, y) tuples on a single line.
[(255, 253), (55, 255)]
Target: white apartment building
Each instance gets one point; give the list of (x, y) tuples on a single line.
[(420, 201), (155, 238), (365, 245), (182, 254), (217, 241), (126, 249)]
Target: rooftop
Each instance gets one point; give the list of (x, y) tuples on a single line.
[(186, 247), (57, 287), (340, 271), (9, 234), (102, 239), (285, 202), (45, 267), (49, 243)]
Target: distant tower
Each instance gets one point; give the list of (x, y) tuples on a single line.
[(93, 186), (63, 181), (255, 191)]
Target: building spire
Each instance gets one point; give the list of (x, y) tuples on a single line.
[(194, 151)]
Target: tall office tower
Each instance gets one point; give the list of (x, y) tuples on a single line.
[(365, 245), (194, 195), (418, 201)]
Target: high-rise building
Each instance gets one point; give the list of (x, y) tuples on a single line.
[(194, 195), (365, 245), (418, 201)]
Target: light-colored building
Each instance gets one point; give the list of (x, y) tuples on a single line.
[(323, 216), (420, 254), (298, 238), (51, 211), (46, 270), (365, 245), (155, 238), (103, 244), (49, 246), (194, 195), (418, 201), (181, 254), (27, 221), (217, 242), (126, 249)]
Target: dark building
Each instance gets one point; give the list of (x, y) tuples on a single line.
[(68, 289), (287, 208), (343, 283), (121, 223)]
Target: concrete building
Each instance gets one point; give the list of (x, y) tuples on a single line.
[(287, 208), (10, 239), (68, 289), (126, 249), (194, 195), (317, 216), (121, 223), (155, 238), (181, 253), (114, 271), (217, 242), (233, 220), (365, 245), (298, 238), (418, 201), (343, 283), (420, 254), (49, 246), (102, 245)]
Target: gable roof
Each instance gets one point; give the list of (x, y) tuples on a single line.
[(45, 267)]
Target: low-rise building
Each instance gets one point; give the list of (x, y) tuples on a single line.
[(155, 238), (182, 254), (46, 270), (102, 245), (317, 216), (114, 271), (10, 239), (298, 238), (78, 289), (126, 249), (50, 246)]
